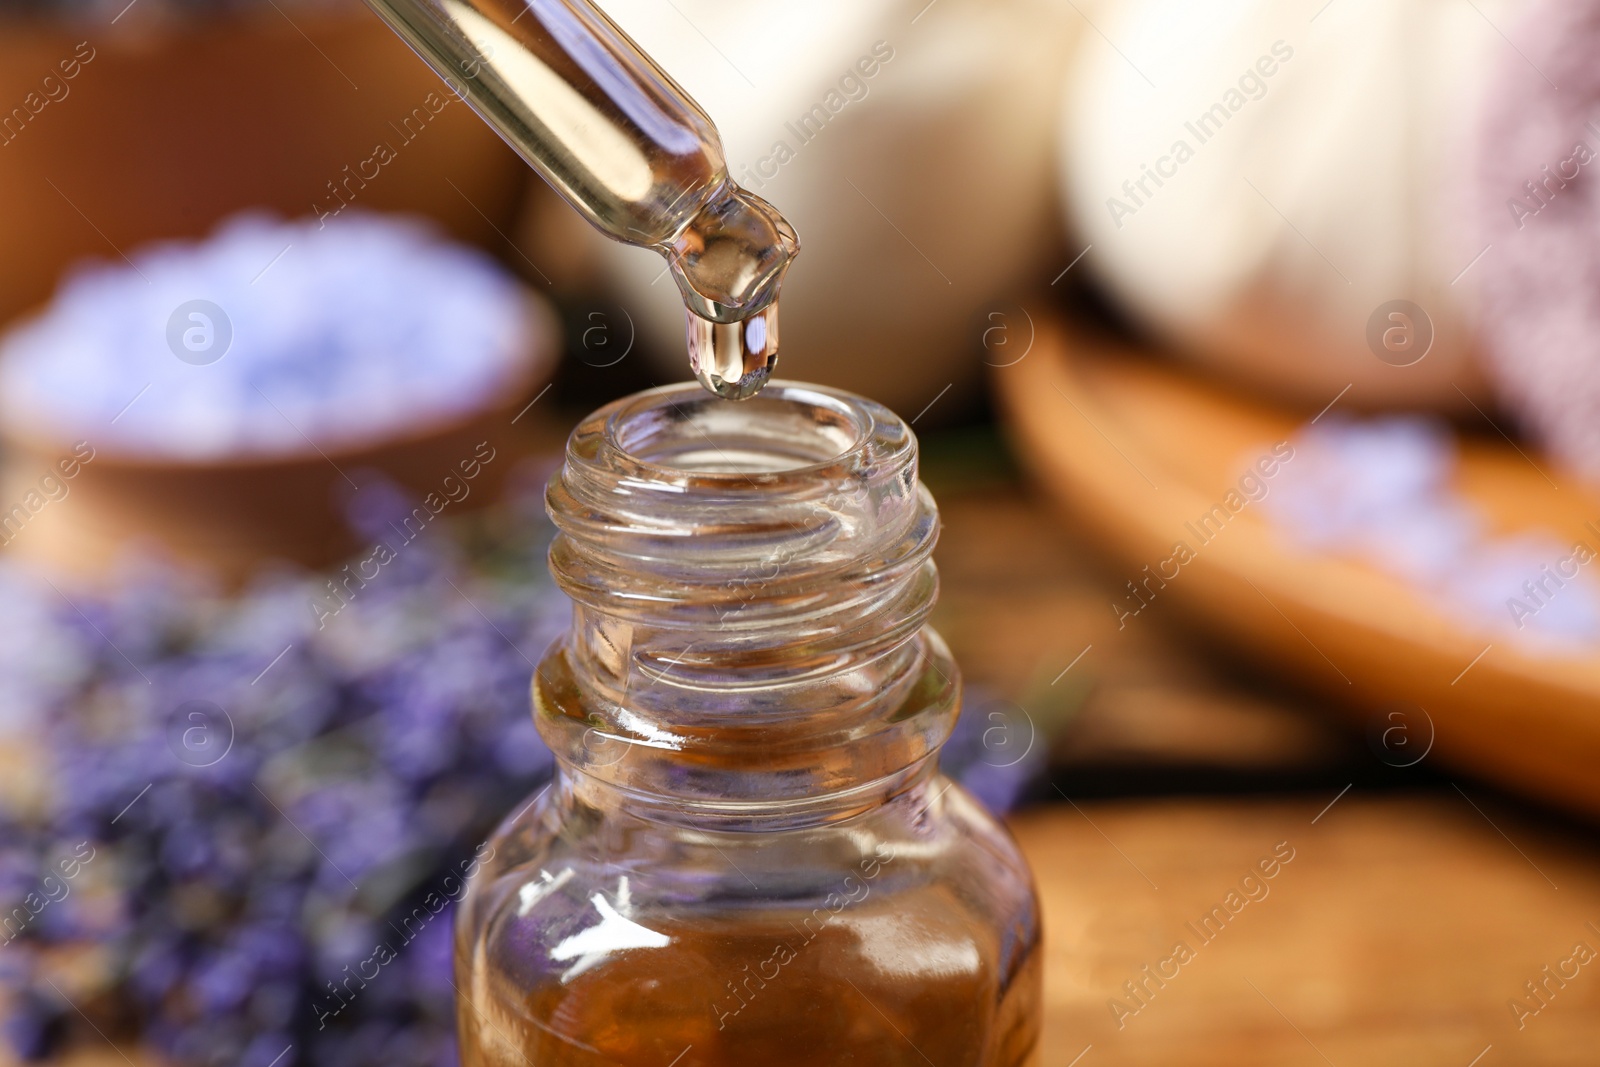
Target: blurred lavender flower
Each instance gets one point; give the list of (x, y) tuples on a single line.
[(259, 795)]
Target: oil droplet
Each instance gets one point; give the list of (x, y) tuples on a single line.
[(734, 360)]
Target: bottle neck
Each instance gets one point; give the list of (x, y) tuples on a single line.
[(750, 585)]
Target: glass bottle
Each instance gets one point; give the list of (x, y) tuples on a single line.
[(748, 855)]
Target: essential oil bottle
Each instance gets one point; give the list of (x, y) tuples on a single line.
[(748, 856)]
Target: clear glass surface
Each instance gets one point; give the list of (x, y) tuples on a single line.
[(748, 855)]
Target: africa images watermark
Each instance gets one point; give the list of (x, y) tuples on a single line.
[(410, 128), (1253, 487), (51, 90), (51, 486), (746, 588), (1543, 987), (1142, 988), (855, 888), (1540, 591), (1251, 85), (450, 890), (343, 190), (1538, 194), (851, 88), (368, 568), (52, 890)]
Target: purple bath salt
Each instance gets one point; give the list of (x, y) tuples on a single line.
[(1383, 491), (269, 338)]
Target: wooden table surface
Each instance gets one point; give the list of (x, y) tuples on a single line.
[(1417, 905), (1398, 934)]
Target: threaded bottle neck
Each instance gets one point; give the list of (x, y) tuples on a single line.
[(750, 585)]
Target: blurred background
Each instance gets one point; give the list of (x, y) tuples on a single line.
[(1252, 350)]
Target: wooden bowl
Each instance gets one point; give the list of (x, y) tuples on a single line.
[(1134, 449), (177, 123), (231, 515)]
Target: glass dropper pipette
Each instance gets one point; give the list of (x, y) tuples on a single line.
[(630, 150)]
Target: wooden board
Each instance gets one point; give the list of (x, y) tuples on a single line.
[(1399, 933), (1135, 449)]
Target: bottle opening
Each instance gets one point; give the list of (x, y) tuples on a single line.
[(700, 493), (787, 428)]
